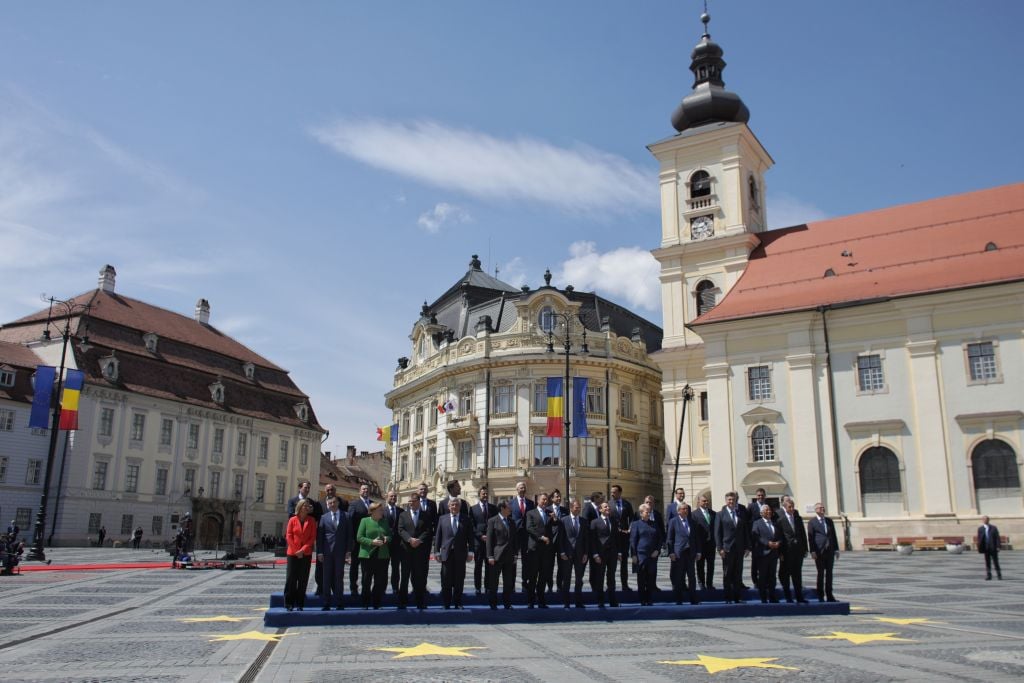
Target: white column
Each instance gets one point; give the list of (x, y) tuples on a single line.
[(802, 423), (723, 459), (928, 429)]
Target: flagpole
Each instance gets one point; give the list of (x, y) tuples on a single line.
[(566, 404), (687, 397)]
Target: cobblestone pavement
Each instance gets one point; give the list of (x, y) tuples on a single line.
[(930, 616)]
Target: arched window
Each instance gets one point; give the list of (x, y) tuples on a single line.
[(700, 184), (880, 476), (762, 442), (546, 320), (707, 295), (995, 471)]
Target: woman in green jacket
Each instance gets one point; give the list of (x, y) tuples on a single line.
[(373, 537)]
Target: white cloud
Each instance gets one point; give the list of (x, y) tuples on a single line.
[(628, 276), (785, 210), (513, 272), (443, 212), (579, 179)]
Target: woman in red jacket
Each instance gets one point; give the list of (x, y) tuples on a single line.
[(301, 535)]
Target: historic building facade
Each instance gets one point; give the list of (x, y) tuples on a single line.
[(175, 418), (872, 362), (481, 352)]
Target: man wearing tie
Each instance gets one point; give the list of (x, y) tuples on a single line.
[(558, 511), (989, 544), (392, 513), (573, 553), (520, 505), (794, 550), (767, 540), (541, 551), (333, 550), (359, 509), (454, 489), (824, 547), (622, 510), (429, 506), (732, 540), (684, 544), (604, 553), (592, 509), (414, 527), (753, 515), (481, 514), (451, 549), (501, 555), (671, 508), (704, 517)]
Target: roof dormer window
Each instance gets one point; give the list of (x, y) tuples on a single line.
[(7, 377), (150, 340), (110, 367), (250, 370), (302, 411), (217, 391)]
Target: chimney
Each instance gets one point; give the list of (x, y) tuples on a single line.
[(350, 452), (203, 311), (106, 280)]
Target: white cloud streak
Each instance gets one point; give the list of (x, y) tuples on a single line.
[(581, 179), (628, 276), (442, 213), (785, 210)]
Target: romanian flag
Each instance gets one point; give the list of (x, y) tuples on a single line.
[(69, 401), (39, 418), (556, 407), (388, 433)]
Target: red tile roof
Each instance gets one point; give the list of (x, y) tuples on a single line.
[(931, 246)]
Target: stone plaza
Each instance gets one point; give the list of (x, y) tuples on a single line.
[(928, 616)]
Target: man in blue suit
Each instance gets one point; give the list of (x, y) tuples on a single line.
[(824, 547), (519, 505), (732, 540), (333, 550), (767, 540), (645, 546), (573, 552), (684, 546), (671, 510), (452, 550), (988, 544), (704, 517)]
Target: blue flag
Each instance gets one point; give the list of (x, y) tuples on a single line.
[(40, 416), (579, 406)]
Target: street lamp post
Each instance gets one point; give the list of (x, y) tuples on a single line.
[(567, 350), (687, 397), (66, 309)]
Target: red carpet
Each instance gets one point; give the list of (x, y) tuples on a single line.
[(92, 567)]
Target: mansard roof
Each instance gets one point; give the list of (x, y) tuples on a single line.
[(955, 242), (20, 360)]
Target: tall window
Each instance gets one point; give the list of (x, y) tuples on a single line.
[(6, 420), (257, 529), (703, 406), (981, 360), (99, 476), (304, 456), (627, 451), (593, 451), (243, 444), (996, 474), (431, 459), (282, 453), (160, 488), (762, 444), (279, 494), (3, 468), (264, 450), (759, 383), (218, 440), (700, 184), (432, 419), (870, 377), (403, 468), (546, 319), (419, 420), (503, 399), (33, 473), (158, 526), (261, 489), (23, 518), (546, 450), (465, 402), (417, 464), (595, 399), (214, 484), (501, 452), (190, 481), (540, 397), (706, 295), (655, 408), (138, 426), (127, 525), (166, 430), (465, 453), (239, 485), (95, 522), (404, 433), (880, 476), (131, 478), (193, 436), (626, 405), (106, 422)]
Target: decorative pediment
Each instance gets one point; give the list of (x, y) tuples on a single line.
[(1008, 417), (761, 415), (770, 480), (869, 427)]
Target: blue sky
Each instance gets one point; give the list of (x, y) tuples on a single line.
[(318, 170)]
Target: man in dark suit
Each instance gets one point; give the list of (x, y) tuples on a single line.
[(603, 547), (501, 555), (685, 541), (767, 540), (989, 545), (559, 511), (414, 527), (592, 508), (754, 514), (359, 509), (454, 489), (428, 506), (333, 549), (451, 549), (392, 513), (481, 513), (573, 544), (671, 508), (704, 517), (794, 550), (622, 510), (540, 546), (520, 505), (824, 547), (732, 540)]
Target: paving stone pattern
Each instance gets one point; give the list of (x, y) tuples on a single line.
[(125, 625)]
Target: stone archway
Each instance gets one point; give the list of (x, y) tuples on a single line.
[(211, 531)]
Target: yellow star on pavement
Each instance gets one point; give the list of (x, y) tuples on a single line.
[(250, 635), (205, 620), (908, 621), (861, 638), (260, 609), (715, 664), (428, 650), (857, 608)]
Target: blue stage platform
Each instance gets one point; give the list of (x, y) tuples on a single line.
[(477, 611)]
